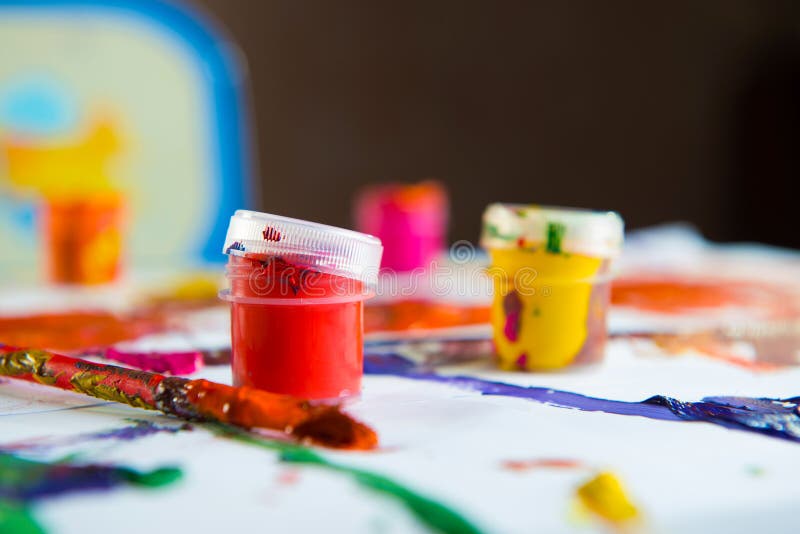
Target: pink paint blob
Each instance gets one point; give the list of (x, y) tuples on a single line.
[(173, 363)]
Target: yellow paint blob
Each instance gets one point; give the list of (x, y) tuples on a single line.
[(605, 497), (552, 292)]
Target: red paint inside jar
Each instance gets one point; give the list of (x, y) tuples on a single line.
[(284, 341)]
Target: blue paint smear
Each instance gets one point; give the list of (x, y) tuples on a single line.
[(777, 418), (139, 429)]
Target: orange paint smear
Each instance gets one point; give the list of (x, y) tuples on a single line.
[(675, 294), (75, 330), (253, 408), (421, 314), (542, 463)]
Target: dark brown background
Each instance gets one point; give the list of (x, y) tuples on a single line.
[(661, 110)]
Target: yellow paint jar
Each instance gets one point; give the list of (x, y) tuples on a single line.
[(551, 269)]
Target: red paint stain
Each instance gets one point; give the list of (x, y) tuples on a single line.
[(289, 477), (542, 463)]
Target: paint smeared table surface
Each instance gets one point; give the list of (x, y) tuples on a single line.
[(502, 464)]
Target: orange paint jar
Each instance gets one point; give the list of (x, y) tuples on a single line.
[(83, 238)]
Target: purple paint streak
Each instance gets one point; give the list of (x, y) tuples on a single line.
[(772, 417), (139, 429)]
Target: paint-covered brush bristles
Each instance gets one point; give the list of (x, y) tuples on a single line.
[(195, 400)]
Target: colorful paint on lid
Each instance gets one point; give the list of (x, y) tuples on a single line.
[(327, 249), (594, 233)]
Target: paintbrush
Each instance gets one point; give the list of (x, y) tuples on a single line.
[(194, 400)]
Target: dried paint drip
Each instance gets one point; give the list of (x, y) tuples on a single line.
[(24, 482), (512, 306), (605, 497), (778, 418), (196, 400), (433, 514)]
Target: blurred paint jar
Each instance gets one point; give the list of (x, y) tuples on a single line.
[(83, 238), (297, 292), (410, 220), (551, 269)]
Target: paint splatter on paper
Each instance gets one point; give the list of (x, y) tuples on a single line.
[(433, 514), (24, 482), (139, 429), (678, 294), (761, 347), (542, 463), (605, 498)]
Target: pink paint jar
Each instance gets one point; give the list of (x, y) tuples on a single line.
[(410, 220)]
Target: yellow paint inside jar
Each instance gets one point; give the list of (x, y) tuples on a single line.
[(543, 306)]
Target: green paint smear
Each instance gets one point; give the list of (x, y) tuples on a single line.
[(16, 471), (555, 234), (435, 515), (152, 479), (16, 518)]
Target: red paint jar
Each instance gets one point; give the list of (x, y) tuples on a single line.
[(297, 291)]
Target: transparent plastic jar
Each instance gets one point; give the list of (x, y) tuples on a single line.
[(551, 269), (297, 290)]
